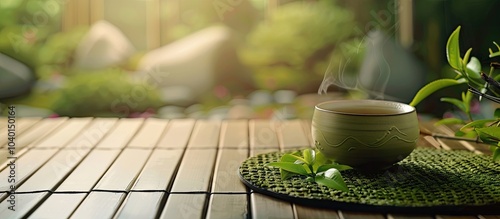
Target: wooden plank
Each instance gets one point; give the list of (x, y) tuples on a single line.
[(54, 171), (455, 217), (228, 206), (409, 216), (59, 205), (449, 144), (99, 205), (306, 125), (64, 133), (23, 204), (304, 212), (21, 125), (234, 134), (226, 178), (263, 134), (186, 206), (159, 170), (89, 171), (205, 134), (91, 135), (427, 141), (25, 166), (122, 174), (121, 134), (360, 215), (483, 148), (489, 216), (148, 135), (40, 130), (195, 171), (291, 135), (429, 128), (141, 205), (177, 133), (266, 207)]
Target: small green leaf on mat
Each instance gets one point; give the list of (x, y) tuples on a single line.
[(290, 158), (332, 179), (291, 167), (496, 154), (286, 174), (319, 161), (339, 167), (309, 155)]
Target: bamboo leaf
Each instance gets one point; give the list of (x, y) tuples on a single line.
[(433, 87), (453, 50)]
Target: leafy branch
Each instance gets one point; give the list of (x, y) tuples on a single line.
[(314, 166), (469, 72)]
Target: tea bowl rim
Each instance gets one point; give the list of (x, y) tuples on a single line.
[(407, 109)]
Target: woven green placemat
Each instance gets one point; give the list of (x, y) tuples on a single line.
[(427, 181)]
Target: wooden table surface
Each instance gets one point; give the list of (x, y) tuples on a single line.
[(154, 168)]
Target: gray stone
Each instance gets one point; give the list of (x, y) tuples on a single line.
[(171, 112), (16, 78), (29, 111), (261, 98), (285, 96)]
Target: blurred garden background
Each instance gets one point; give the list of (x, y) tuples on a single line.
[(228, 58)]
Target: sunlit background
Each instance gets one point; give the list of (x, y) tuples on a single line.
[(228, 58)]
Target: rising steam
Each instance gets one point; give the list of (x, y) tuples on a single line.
[(372, 77)]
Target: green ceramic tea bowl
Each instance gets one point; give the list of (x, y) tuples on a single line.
[(365, 134)]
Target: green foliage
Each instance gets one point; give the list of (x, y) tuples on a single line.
[(433, 87), (468, 71), (313, 165), (109, 92), (291, 48), (453, 50), (56, 54), (24, 27)]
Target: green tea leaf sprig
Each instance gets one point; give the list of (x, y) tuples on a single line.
[(314, 166), (468, 69)]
